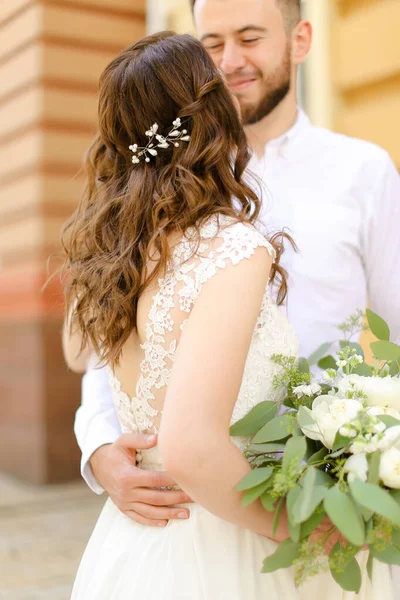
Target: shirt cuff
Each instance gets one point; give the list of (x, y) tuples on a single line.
[(91, 446)]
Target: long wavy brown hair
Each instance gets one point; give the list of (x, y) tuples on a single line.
[(129, 211)]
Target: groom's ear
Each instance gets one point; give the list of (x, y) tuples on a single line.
[(301, 42)]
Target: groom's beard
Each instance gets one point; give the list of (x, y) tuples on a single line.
[(276, 86)]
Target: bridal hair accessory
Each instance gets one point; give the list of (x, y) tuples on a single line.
[(173, 138)]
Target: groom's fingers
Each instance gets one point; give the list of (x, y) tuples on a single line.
[(138, 518), (136, 441), (158, 513), (159, 497), (153, 479)]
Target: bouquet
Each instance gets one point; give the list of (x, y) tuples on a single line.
[(334, 453)]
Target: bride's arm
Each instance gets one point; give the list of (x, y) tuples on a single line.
[(75, 357), (205, 382)]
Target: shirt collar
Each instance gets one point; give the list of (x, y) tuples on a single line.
[(281, 145)]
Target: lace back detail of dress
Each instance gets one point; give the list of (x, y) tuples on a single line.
[(223, 242)]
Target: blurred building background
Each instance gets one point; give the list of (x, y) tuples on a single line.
[(51, 54)]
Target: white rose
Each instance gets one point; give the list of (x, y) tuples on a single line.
[(391, 437), (357, 467), (383, 410), (379, 391), (389, 469), (329, 414)]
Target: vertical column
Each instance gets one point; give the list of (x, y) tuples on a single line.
[(51, 55), (318, 85), (180, 17)]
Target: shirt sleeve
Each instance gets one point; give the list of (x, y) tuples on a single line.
[(382, 248), (96, 421)]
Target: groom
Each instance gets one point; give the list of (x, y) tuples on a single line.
[(339, 197)]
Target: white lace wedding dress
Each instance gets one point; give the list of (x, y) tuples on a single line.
[(204, 557)]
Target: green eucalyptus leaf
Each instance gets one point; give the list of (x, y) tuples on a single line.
[(396, 538), (341, 441), (376, 499), (283, 557), (395, 495), (304, 418), (390, 555), (319, 353), (323, 478), (304, 509), (254, 420), (294, 528), (343, 513), (364, 370), (312, 446), (374, 461), (254, 479), (367, 515), (277, 429), (302, 365), (328, 362), (378, 326), (389, 420), (394, 369), (349, 575), (385, 350), (295, 449), (266, 448), (251, 495), (277, 516), (312, 523), (268, 501), (289, 402), (304, 505)]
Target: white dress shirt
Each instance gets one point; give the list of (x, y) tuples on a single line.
[(339, 198)]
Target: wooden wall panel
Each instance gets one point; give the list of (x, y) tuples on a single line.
[(9, 8), (48, 104), (97, 30), (25, 109), (20, 70), (366, 65), (374, 111), (19, 195), (60, 64), (26, 26), (51, 55), (135, 7), (70, 106), (20, 153), (367, 44)]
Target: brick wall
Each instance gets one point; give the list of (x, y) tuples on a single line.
[(51, 55)]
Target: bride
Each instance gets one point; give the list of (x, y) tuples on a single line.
[(167, 280)]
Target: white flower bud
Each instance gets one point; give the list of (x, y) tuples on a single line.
[(357, 467), (389, 469)]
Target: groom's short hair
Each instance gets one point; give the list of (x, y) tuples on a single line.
[(291, 11)]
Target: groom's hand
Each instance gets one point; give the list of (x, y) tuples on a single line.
[(131, 488)]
